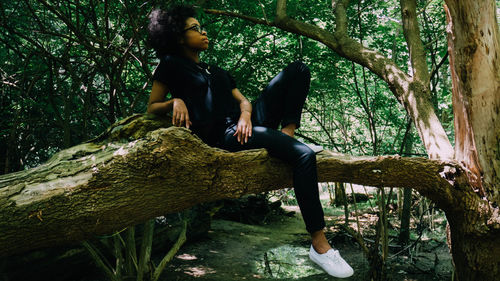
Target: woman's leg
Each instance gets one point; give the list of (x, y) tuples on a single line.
[(283, 98), (303, 161), (281, 102)]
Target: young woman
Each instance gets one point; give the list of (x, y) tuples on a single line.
[(205, 99)]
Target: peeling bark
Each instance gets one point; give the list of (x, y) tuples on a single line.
[(474, 46)]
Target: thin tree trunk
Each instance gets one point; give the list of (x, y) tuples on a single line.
[(404, 234), (340, 199)]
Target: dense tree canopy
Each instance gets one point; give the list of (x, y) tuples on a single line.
[(72, 68)]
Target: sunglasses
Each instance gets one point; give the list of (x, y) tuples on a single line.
[(196, 28)]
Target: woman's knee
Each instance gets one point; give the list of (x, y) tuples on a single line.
[(299, 67), (302, 154)]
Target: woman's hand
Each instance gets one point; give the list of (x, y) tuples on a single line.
[(180, 116), (244, 128)]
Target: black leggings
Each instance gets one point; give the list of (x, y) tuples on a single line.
[(282, 101)]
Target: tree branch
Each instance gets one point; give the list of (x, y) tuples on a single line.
[(411, 32), (138, 170), (436, 69), (280, 10)]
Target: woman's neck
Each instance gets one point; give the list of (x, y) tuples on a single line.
[(194, 56)]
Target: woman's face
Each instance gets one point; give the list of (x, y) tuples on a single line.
[(192, 38)]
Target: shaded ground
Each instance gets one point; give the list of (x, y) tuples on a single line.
[(279, 250), (274, 250)]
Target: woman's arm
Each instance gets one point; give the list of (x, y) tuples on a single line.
[(157, 105), (244, 128), (245, 105)]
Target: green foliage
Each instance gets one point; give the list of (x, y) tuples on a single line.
[(69, 69), (127, 265)]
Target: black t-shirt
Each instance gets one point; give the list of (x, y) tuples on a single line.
[(207, 92)]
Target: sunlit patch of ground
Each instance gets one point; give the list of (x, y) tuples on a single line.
[(199, 271), (286, 262), (279, 250)]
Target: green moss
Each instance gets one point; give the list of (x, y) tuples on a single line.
[(132, 128)]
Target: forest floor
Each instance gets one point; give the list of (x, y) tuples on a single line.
[(278, 250), (274, 247)]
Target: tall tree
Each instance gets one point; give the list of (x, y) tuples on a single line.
[(474, 48)]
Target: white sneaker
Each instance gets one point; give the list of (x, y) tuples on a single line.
[(332, 263), (315, 148)]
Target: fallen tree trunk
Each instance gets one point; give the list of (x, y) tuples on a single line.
[(138, 170)]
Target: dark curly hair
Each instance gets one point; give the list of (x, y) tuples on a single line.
[(166, 28)]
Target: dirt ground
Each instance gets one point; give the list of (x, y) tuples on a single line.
[(279, 250)]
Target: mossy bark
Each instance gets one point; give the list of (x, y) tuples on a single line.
[(131, 174)]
